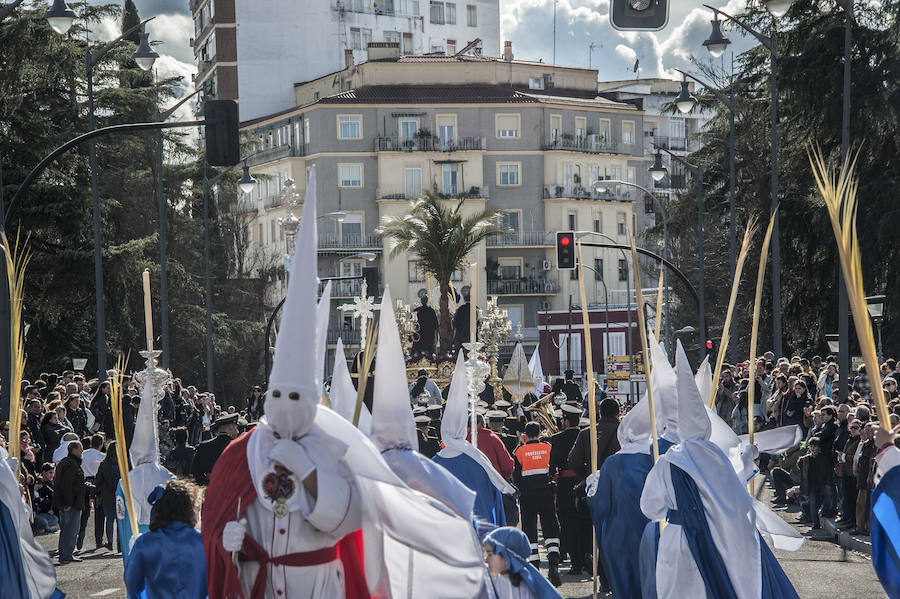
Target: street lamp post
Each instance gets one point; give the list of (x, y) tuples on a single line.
[(875, 306), (599, 187), (843, 300), (91, 61), (657, 172), (776, 8)]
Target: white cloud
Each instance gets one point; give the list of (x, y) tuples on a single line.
[(174, 31)]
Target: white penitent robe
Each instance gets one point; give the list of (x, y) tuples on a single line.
[(307, 527)]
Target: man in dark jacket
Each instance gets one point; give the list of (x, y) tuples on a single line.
[(33, 407), (607, 442), (571, 389), (570, 533), (68, 498), (815, 471), (181, 458), (208, 452)]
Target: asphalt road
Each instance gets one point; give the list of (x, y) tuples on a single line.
[(819, 570)]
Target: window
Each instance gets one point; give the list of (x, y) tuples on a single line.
[(296, 135), (414, 7), (384, 7), (437, 49), (306, 131), (366, 38), (620, 224), (208, 49), (273, 224), (677, 128), (598, 269), (580, 128), (631, 174), (351, 230), (450, 179), (409, 126), (535, 83), (598, 222), (617, 173), (605, 135), (451, 47), (593, 173), (510, 220), (350, 175), (351, 268), (507, 125), (407, 43), (392, 36), (628, 132), (349, 126), (572, 222), (415, 273), (412, 181), (555, 122), (261, 237), (355, 39), (471, 15), (623, 270), (450, 13), (446, 128), (510, 269), (508, 174), (437, 13)]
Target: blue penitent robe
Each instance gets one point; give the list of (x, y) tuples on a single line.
[(619, 523), (885, 527), (167, 564), (12, 570), (488, 510), (691, 516)]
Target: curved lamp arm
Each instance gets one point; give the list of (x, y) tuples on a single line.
[(722, 96), (765, 40), (100, 52)]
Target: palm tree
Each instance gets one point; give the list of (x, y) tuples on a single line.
[(441, 237)]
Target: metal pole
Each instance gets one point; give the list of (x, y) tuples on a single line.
[(208, 278), (880, 352), (732, 239), (700, 263), (5, 360), (776, 237), (163, 270), (98, 249), (568, 340), (843, 300)]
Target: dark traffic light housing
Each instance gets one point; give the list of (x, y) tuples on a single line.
[(565, 250), (223, 146), (639, 15)]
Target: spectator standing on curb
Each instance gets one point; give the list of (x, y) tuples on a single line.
[(68, 499)]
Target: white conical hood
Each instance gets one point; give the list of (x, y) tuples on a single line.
[(392, 418), (295, 381), (665, 391), (456, 410), (343, 394), (537, 371), (693, 421), (704, 379), (323, 311), (145, 442)]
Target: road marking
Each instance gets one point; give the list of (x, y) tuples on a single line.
[(105, 592)]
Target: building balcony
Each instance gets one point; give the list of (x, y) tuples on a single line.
[(580, 191), (672, 182), (429, 143), (591, 144), (273, 202), (244, 208), (273, 154), (531, 286), (522, 239), (351, 288), (336, 242), (400, 192), (349, 337)]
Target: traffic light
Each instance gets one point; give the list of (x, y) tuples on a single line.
[(639, 15), (709, 346), (565, 250), (223, 147)]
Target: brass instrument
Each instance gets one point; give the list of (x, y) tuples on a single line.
[(542, 412)]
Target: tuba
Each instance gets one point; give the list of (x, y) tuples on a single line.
[(542, 411)]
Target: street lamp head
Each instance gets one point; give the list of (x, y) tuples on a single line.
[(834, 342), (875, 306), (685, 101), (600, 187), (716, 43), (367, 256), (144, 56), (778, 8), (246, 183), (657, 171), (60, 17)]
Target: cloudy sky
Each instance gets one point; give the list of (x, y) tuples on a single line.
[(529, 24)]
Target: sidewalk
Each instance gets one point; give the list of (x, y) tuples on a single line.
[(861, 543)]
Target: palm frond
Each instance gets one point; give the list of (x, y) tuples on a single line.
[(17, 258), (119, 428), (754, 329)]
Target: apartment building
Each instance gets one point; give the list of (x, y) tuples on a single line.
[(524, 137), (252, 50), (674, 131)]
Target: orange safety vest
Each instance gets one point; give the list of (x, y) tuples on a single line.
[(534, 458)]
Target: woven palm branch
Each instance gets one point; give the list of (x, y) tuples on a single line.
[(121, 448), (754, 329), (17, 258), (749, 232), (839, 192)]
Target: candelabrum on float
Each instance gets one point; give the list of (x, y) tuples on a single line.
[(495, 329), (152, 375), (477, 371), (408, 325)]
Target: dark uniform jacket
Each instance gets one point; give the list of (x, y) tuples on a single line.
[(428, 446), (205, 457), (180, 460), (573, 392), (561, 445), (607, 444)]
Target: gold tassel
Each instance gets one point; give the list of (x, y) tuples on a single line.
[(17, 259), (839, 192), (749, 232)]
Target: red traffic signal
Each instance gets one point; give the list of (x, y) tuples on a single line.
[(708, 345), (565, 250)]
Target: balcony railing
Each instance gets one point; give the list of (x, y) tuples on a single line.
[(428, 143), (349, 337), (523, 239), (580, 192), (273, 154), (592, 144), (402, 193), (350, 288), (672, 182), (535, 286), (332, 242), (273, 201)]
